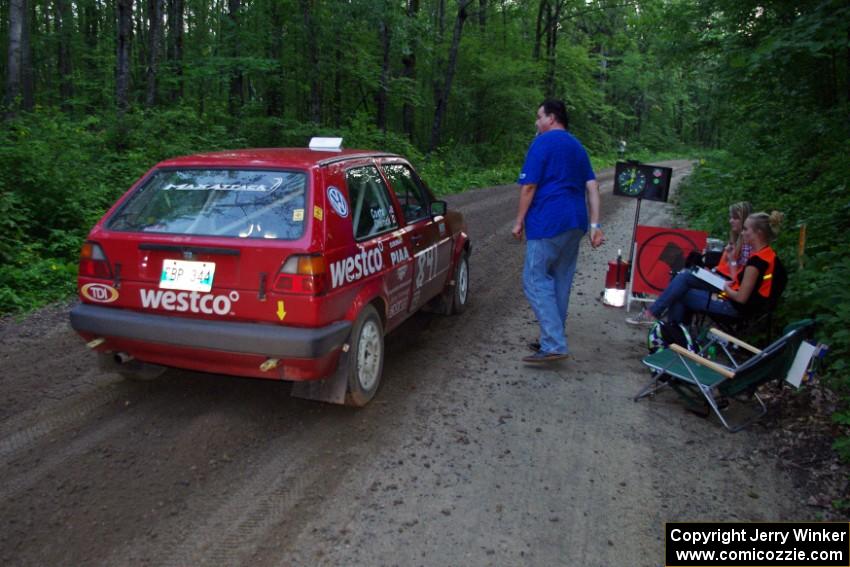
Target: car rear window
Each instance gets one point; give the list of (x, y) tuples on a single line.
[(217, 202)]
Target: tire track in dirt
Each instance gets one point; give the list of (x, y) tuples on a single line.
[(46, 422), (271, 495), (56, 458)]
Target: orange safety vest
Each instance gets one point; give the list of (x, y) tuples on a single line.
[(763, 288), (723, 266)]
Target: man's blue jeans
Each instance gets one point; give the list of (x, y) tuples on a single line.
[(547, 277), (687, 294)]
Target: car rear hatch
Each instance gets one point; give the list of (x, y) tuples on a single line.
[(206, 242)]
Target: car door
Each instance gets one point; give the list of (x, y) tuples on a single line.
[(376, 230), (429, 237)]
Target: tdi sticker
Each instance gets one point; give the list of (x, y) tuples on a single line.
[(99, 293), (338, 202), (318, 213), (298, 215)]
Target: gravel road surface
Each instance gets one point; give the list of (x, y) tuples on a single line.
[(466, 457)]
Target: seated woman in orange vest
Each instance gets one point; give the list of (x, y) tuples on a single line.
[(735, 256), (737, 252), (744, 296)]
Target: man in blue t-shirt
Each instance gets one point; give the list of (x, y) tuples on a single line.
[(558, 187)]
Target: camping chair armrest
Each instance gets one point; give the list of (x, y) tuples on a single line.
[(727, 337), (722, 370)]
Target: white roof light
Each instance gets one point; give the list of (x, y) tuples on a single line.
[(326, 144)]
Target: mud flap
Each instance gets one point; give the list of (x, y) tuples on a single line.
[(331, 390)]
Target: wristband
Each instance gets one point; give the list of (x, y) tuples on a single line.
[(595, 225)]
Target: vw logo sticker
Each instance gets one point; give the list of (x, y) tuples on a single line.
[(338, 202)]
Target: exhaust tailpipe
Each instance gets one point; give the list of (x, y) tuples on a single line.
[(122, 357)]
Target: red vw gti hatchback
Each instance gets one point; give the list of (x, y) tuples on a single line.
[(288, 264)]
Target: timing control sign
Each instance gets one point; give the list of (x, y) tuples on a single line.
[(642, 181)]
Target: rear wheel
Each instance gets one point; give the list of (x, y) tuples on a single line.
[(365, 357), (460, 291)]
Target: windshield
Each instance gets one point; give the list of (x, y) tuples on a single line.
[(217, 202)]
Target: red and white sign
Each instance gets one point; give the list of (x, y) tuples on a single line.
[(659, 251)]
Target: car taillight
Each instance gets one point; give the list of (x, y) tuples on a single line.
[(302, 274), (93, 262)]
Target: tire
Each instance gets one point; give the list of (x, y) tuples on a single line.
[(366, 358), (460, 290)]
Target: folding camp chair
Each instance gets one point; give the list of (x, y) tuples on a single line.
[(695, 378), (759, 323)]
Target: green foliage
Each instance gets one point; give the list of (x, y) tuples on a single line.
[(59, 175), (842, 447), (812, 192)]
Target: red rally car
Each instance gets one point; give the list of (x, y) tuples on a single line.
[(288, 264)]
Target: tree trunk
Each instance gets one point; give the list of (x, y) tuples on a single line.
[(443, 99), (408, 61), (482, 16), (274, 88), (155, 8), (310, 28), (383, 85), (64, 29), (27, 75), (140, 36), (89, 24), (122, 62), (542, 12), (236, 99), (175, 45), (337, 94), (847, 69), (17, 15), (552, 24)]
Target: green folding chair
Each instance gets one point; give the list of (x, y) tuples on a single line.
[(698, 380)]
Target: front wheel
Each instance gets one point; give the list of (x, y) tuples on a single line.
[(365, 358), (460, 291)]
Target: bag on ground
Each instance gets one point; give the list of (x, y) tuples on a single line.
[(663, 334)]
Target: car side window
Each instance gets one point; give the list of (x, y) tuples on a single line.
[(408, 190), (372, 210)]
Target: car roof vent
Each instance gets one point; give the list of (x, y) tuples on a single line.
[(326, 144)]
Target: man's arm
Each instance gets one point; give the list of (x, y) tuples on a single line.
[(526, 195), (596, 235)]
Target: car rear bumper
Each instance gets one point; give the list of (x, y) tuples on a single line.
[(246, 338)]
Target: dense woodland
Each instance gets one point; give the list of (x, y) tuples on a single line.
[(96, 91)]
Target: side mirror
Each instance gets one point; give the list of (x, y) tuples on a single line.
[(438, 208)]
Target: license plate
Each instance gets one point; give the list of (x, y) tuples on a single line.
[(188, 276)]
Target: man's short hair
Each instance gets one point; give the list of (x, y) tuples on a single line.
[(556, 107)]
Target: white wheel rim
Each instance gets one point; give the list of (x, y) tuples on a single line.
[(462, 281), (369, 355)]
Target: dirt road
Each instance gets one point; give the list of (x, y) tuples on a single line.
[(466, 457)]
